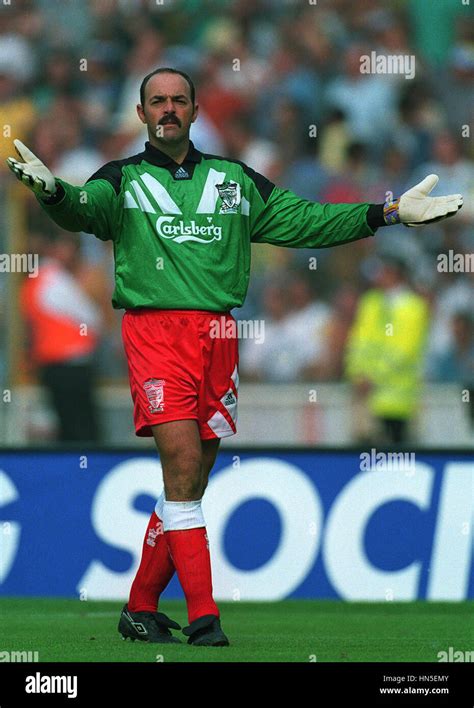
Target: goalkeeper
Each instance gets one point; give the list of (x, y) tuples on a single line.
[(182, 223)]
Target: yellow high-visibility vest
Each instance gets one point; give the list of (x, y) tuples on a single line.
[(386, 346)]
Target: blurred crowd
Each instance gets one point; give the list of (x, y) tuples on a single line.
[(279, 87)]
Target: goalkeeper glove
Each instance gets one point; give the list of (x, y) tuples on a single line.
[(415, 207), (32, 171)]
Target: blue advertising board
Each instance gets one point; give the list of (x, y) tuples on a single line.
[(299, 524)]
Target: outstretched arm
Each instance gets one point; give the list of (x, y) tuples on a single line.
[(283, 219), (89, 208)]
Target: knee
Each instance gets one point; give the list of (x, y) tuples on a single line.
[(182, 474)]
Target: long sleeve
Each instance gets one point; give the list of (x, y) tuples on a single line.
[(91, 208), (287, 220)]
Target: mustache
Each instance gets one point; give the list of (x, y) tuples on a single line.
[(170, 119)]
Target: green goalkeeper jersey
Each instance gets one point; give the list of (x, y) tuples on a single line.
[(182, 234)]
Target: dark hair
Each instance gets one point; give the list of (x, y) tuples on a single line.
[(398, 263), (167, 70)]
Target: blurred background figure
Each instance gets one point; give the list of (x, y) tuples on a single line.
[(455, 363), (371, 116), (296, 326), (307, 327), (242, 144), (385, 351), (269, 359), (64, 327)]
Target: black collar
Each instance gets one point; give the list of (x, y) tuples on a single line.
[(157, 157)]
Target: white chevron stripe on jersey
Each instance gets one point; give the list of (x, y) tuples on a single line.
[(142, 198), (129, 202), (207, 204), (163, 199), (245, 208)]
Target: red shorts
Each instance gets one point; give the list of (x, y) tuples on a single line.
[(179, 369)]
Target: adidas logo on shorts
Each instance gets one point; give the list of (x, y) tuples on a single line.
[(229, 399)]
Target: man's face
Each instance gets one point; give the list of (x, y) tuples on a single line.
[(168, 111), (388, 276)]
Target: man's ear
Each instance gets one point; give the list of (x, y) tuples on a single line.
[(195, 114), (141, 113)]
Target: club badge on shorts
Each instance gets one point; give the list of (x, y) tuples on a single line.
[(229, 192), (154, 389)]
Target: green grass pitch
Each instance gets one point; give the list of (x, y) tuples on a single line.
[(287, 631)]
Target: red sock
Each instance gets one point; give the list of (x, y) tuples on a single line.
[(189, 550), (155, 571)]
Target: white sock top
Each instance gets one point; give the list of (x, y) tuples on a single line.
[(179, 516)]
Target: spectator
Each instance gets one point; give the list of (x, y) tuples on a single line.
[(358, 182), (368, 100), (64, 325), (145, 56), (456, 296), (60, 75), (385, 351), (101, 90), (269, 359), (307, 327), (242, 144), (456, 90), (78, 160), (218, 101), (456, 363), (18, 111), (335, 140), (338, 328), (294, 347)]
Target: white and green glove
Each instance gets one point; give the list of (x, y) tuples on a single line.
[(415, 207), (32, 171)]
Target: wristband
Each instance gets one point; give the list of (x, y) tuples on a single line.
[(390, 210)]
